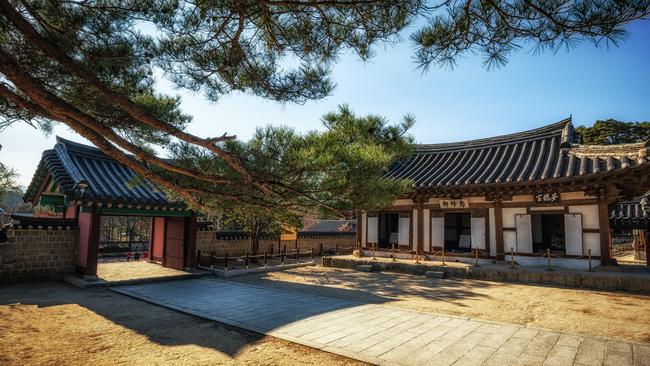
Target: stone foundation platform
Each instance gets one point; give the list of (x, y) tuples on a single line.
[(605, 281)]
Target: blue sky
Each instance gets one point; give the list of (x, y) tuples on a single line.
[(449, 105)]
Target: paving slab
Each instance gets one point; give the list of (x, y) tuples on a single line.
[(381, 334)]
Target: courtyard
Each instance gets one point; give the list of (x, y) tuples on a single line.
[(454, 320), (52, 323)]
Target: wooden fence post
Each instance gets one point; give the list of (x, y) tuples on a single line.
[(443, 256)]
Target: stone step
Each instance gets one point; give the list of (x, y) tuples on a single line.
[(364, 268), (434, 274)]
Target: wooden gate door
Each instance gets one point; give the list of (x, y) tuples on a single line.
[(174, 242)]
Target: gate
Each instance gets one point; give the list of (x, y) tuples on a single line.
[(174, 240)]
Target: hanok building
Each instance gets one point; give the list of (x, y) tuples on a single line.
[(631, 218), (524, 193), (83, 184)]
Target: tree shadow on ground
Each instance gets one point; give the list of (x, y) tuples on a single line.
[(372, 286), (171, 328), (160, 325)]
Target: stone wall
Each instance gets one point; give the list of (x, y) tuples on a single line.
[(37, 253), (207, 243)]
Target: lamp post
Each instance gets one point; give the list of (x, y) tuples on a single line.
[(80, 186)]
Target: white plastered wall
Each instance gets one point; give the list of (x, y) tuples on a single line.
[(478, 232), (437, 232), (373, 229), (403, 231), (509, 216), (524, 233), (573, 233), (589, 221), (509, 241), (510, 236)]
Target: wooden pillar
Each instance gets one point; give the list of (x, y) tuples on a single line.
[(164, 242), (88, 243), (190, 241), (603, 223), (359, 228), (498, 228), (420, 247), (157, 239), (647, 248), (151, 243)]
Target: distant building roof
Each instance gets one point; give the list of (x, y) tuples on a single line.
[(109, 182), (634, 213), (331, 226), (544, 154)]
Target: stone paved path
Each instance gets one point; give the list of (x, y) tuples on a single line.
[(381, 334)]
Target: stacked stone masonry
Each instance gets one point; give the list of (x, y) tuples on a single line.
[(207, 243), (37, 253)]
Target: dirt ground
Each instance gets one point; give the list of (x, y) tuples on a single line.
[(609, 314), (51, 323), (122, 270)]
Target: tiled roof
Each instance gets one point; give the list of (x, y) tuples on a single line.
[(631, 214), (331, 226), (108, 181), (540, 154), (238, 235), (635, 209)]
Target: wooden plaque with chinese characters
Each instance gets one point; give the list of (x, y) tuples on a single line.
[(459, 203), (547, 197)]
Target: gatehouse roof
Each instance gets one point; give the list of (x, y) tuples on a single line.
[(109, 182)]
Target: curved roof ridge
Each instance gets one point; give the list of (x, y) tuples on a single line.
[(78, 147), (554, 129), (108, 180), (626, 145)]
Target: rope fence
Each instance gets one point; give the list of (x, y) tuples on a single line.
[(249, 260)]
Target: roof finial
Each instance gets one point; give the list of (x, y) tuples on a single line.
[(567, 134)]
